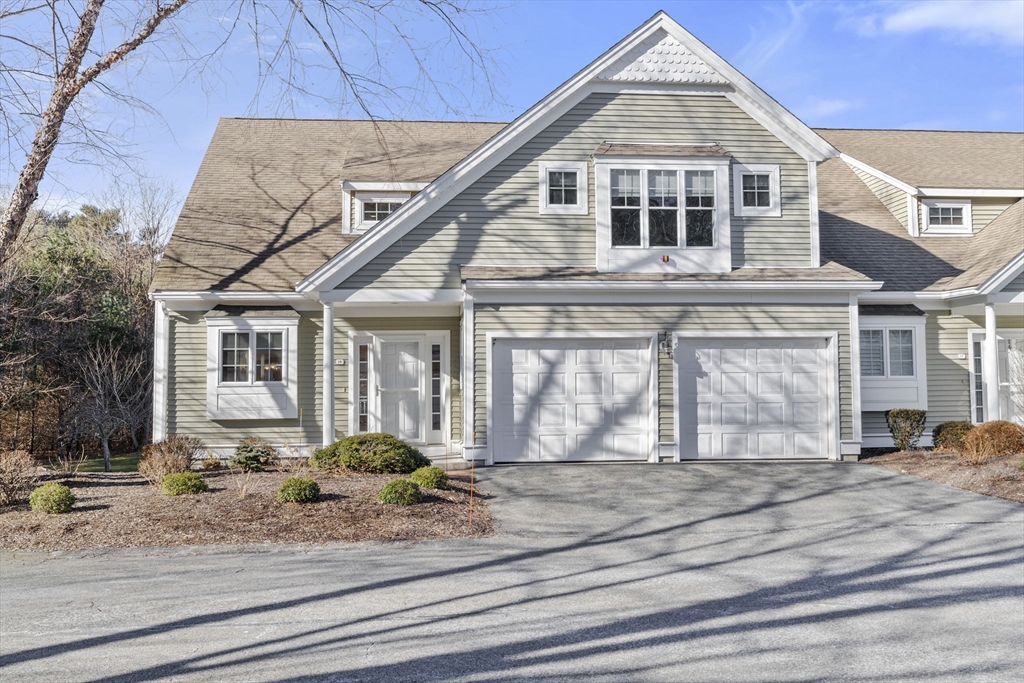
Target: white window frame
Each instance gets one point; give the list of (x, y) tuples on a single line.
[(362, 198), (927, 229), (974, 376), (582, 205), (352, 213), (252, 399), (774, 209), (884, 392), (679, 259)]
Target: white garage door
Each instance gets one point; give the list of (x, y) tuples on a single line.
[(570, 399), (754, 398)]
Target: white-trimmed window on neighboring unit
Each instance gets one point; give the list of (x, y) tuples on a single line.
[(945, 217), (892, 363), (755, 189), (563, 188), (251, 366), (662, 215), (367, 203)]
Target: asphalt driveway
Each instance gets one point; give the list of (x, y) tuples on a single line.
[(696, 572)]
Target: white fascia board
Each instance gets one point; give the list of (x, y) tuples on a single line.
[(963, 192), (388, 295), (228, 296), (456, 179), (1004, 275), (881, 175), (375, 186), (659, 286)]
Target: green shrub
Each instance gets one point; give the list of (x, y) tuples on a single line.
[(173, 454), (906, 426), (183, 484), (376, 453), (298, 490), (53, 497), (949, 436), (430, 478), (400, 492), (254, 454)]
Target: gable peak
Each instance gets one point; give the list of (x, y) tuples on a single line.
[(661, 58)]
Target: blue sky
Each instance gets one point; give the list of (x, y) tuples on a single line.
[(920, 65)]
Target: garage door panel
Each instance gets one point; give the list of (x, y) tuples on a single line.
[(751, 398), (571, 399)]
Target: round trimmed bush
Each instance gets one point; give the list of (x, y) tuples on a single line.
[(949, 436), (298, 490), (53, 498), (993, 439), (375, 453), (400, 492), (183, 484), (430, 478), (254, 454)]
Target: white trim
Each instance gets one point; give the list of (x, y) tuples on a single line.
[(965, 192), (357, 338), (1003, 276), (774, 209), (161, 368), (329, 433), (884, 392), (680, 259), (972, 375), (990, 363), (360, 199), (382, 295), (834, 410), (652, 367), (855, 387), (468, 373), (386, 186), (255, 400), (812, 202), (929, 230), (582, 205), (913, 216), (655, 286), (871, 170), (752, 99), (214, 295)]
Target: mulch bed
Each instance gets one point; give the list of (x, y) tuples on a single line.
[(123, 510), (1000, 476)]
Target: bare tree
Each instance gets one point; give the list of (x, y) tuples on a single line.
[(115, 386), (1015, 380), (56, 53)]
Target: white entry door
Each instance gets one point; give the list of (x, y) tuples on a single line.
[(571, 399), (400, 378), (752, 398)]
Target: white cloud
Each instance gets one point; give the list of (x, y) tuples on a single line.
[(978, 21), (785, 28), (823, 108)]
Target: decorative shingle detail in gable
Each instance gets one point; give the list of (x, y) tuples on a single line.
[(661, 59)]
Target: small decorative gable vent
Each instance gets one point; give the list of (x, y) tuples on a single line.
[(661, 59)]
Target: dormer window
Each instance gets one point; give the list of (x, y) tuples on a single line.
[(365, 204), (756, 190), (945, 217), (563, 188), (658, 208)]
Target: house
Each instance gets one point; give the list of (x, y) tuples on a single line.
[(655, 262)]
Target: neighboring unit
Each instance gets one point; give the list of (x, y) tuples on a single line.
[(655, 262)]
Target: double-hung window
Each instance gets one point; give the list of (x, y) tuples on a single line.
[(646, 211), (887, 352)]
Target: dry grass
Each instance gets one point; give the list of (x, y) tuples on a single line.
[(121, 510), (998, 476)]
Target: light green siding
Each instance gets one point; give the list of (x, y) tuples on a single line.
[(873, 423), (496, 220), (891, 196), (186, 388), (716, 318), (1015, 285), (983, 210), (345, 325)]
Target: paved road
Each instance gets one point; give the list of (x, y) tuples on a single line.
[(716, 572)]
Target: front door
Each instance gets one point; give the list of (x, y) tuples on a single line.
[(399, 384)]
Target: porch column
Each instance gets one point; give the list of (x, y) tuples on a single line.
[(328, 400), (990, 364), (161, 352)]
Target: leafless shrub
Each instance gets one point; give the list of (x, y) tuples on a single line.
[(68, 463), (992, 439), (243, 481), (174, 454), (18, 475)]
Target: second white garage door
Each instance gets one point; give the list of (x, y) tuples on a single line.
[(753, 398), (570, 399)]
